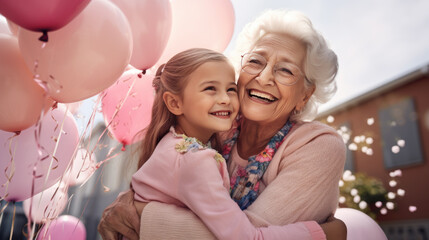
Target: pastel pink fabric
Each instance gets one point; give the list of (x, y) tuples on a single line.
[(300, 184)]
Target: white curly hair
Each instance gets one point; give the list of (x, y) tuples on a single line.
[(320, 65)]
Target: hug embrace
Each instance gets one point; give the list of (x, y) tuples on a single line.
[(234, 154)]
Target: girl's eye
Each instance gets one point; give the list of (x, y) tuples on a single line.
[(233, 89), (211, 88)]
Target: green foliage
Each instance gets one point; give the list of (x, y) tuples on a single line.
[(369, 190)]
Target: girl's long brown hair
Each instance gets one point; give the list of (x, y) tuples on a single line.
[(171, 77)]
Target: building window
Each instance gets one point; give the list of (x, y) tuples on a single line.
[(400, 134), (345, 132)]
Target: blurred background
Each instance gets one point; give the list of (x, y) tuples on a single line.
[(381, 107)]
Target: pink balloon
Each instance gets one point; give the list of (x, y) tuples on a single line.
[(82, 168), (202, 23), (48, 204), (4, 28), (135, 113), (359, 225), (42, 15), (83, 58), (64, 227), (21, 98), (19, 155), (150, 23), (13, 27)]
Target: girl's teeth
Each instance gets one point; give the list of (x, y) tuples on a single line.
[(221, 113)]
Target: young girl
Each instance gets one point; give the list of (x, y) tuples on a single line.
[(196, 97)]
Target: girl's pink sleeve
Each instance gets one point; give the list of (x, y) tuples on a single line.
[(201, 189)]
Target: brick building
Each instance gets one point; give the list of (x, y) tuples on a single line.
[(388, 129)]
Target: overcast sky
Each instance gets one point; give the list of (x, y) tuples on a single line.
[(376, 41)]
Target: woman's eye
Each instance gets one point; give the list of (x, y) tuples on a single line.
[(254, 61), (285, 71)]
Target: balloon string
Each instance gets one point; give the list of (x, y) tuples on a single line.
[(13, 221), (56, 146), (25, 234), (2, 212), (40, 149), (45, 85), (118, 107), (41, 158), (11, 165), (105, 160)]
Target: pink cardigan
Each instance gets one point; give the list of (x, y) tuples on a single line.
[(300, 184)]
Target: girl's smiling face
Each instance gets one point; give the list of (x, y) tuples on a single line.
[(209, 102)]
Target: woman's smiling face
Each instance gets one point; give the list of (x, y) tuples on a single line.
[(262, 98)]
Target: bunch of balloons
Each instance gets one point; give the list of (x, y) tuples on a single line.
[(55, 53)]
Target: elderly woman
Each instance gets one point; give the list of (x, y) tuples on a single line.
[(284, 168)]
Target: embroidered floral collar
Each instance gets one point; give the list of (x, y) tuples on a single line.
[(188, 143), (192, 144)]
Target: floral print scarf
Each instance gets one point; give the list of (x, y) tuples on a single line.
[(245, 181)]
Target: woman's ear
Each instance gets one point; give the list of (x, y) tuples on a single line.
[(173, 103), (307, 95)]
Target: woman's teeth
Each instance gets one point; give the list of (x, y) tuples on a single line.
[(262, 96)]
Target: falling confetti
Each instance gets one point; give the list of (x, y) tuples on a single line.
[(395, 149), (348, 176), (369, 152), (395, 173), (391, 195), (400, 192), (356, 199), (330, 119), (393, 183), (398, 172), (352, 147), (370, 121), (412, 208), (356, 139), (347, 173), (390, 205), (369, 140), (363, 205), (354, 192), (401, 142), (342, 199), (378, 204), (383, 211), (341, 183)]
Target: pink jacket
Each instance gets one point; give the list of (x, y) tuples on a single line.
[(300, 184)]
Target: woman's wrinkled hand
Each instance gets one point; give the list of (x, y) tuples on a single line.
[(335, 229), (120, 219)]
